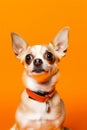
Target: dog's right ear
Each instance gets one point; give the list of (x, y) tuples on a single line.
[(18, 44)]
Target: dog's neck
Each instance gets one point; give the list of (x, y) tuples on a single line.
[(40, 96), (33, 85)]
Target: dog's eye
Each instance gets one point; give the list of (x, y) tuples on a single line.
[(49, 56), (28, 58)]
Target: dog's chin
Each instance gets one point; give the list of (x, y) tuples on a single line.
[(40, 75)]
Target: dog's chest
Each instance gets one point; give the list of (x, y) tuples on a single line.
[(40, 108), (31, 110), (35, 110)]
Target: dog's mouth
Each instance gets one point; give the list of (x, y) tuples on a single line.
[(38, 70)]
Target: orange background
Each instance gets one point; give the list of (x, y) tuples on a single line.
[(38, 22)]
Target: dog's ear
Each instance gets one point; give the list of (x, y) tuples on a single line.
[(18, 44), (60, 42)]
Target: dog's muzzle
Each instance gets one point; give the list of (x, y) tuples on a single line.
[(38, 65)]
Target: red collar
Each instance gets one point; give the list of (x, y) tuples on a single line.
[(41, 97)]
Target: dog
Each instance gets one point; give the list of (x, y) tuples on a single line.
[(41, 107)]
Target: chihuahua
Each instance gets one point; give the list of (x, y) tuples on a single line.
[(41, 107)]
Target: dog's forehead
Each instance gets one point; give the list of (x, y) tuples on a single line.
[(36, 49)]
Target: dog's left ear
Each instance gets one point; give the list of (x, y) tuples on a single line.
[(60, 42)]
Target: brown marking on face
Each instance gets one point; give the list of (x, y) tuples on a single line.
[(29, 58), (16, 54), (49, 57), (65, 51)]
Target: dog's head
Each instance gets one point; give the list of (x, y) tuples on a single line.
[(41, 61)]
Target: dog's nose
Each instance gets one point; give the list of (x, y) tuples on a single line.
[(37, 62)]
